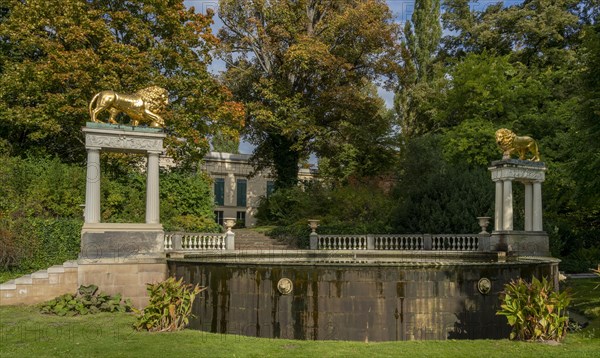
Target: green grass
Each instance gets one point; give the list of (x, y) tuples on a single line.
[(586, 299), (24, 333)]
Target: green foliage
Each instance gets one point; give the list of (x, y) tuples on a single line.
[(353, 209), (581, 260), (55, 56), (304, 70), (86, 300), (534, 310), (169, 308), (187, 202), (437, 196)]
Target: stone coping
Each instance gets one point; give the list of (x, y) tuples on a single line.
[(356, 258), (519, 163), (103, 227), (123, 127)]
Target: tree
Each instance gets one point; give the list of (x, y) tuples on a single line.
[(56, 55), (302, 68), (417, 77)]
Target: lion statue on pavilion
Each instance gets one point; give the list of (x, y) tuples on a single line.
[(144, 106), (510, 143)]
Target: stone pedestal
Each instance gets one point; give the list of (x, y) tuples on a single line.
[(122, 258), (532, 241)]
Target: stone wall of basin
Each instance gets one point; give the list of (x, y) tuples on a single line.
[(359, 302)]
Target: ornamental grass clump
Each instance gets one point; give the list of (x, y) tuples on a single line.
[(170, 306), (535, 310)]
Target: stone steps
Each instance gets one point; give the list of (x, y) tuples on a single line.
[(246, 239), (40, 286)]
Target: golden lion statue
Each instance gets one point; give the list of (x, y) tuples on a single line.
[(142, 106), (510, 143)]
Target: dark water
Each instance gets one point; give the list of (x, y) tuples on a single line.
[(374, 303)]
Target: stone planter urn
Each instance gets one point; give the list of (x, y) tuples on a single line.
[(484, 221), (313, 224), (229, 224)]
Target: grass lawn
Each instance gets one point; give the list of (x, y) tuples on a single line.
[(26, 333)]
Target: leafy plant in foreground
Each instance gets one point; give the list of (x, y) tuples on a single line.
[(170, 306), (86, 300), (534, 310)]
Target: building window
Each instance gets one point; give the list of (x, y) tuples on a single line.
[(241, 192), (240, 219), (270, 188), (219, 191), (219, 217)]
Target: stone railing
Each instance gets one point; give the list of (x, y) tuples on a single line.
[(448, 242), (188, 241)]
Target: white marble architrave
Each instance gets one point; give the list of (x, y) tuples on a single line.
[(127, 140), (531, 174)]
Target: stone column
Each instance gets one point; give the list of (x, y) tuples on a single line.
[(537, 206), (152, 189), (507, 206), (92, 186), (498, 209), (528, 206)]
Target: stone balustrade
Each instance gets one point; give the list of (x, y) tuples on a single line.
[(187, 241), (412, 242)]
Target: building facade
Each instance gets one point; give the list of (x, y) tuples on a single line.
[(237, 194)]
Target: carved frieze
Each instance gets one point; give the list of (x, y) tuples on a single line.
[(518, 173), (124, 140)]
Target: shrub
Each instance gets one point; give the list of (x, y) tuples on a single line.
[(534, 310), (581, 260), (85, 300), (169, 308)]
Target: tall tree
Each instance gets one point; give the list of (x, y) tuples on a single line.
[(301, 67), (419, 49), (55, 55)]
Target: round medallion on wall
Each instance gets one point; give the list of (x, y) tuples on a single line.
[(285, 286), (484, 286)]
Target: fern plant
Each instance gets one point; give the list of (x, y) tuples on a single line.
[(170, 306), (535, 310)]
